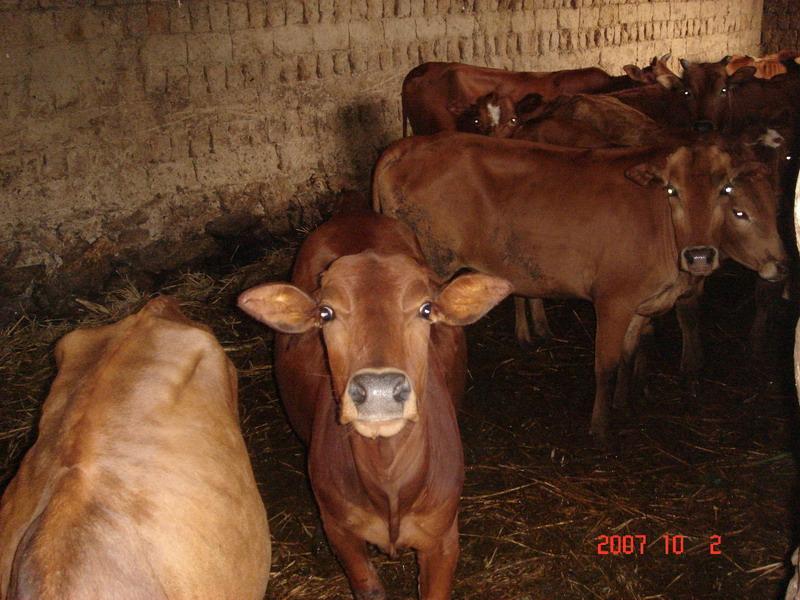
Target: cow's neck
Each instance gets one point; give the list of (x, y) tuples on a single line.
[(393, 470)]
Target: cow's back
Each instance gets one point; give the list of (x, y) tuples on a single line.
[(139, 484), (502, 206)]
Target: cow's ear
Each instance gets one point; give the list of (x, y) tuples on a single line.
[(281, 306), (741, 75), (468, 297), (633, 72), (644, 174), (725, 60), (685, 64)]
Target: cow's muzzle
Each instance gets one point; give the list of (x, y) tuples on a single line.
[(699, 260), (379, 402), (773, 271)]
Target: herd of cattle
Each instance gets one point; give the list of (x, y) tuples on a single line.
[(627, 191)]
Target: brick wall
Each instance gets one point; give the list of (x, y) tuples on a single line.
[(781, 25), (142, 133)]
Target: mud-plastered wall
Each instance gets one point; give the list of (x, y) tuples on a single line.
[(781, 25), (143, 135)]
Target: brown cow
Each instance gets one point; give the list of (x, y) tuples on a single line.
[(766, 67), (370, 365), (763, 144), (435, 94), (590, 121), (632, 232), (730, 102), (139, 484), (492, 114)]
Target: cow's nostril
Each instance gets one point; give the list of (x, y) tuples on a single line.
[(703, 254), (402, 389), (357, 392)]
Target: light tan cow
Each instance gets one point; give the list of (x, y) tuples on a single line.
[(793, 590), (139, 485)]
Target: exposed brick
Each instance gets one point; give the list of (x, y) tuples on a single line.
[(201, 64), (257, 11), (403, 29), (330, 37), (295, 11), (199, 16), (157, 18), (209, 47), (164, 50), (238, 14), (179, 19), (218, 16), (366, 33), (251, 44)]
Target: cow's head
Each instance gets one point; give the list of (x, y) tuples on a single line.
[(492, 114), (697, 183), (771, 138), (375, 313), (710, 91), (750, 233), (657, 71)]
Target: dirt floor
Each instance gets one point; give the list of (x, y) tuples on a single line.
[(538, 494)]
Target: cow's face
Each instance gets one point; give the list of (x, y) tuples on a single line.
[(696, 182), (492, 115), (710, 91), (750, 232), (376, 313)]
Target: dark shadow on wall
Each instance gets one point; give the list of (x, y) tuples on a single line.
[(363, 135)]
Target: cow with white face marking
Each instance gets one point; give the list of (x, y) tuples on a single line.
[(492, 114)]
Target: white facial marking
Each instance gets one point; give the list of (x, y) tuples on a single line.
[(771, 139), (494, 113)]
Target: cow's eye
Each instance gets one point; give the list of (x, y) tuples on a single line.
[(671, 191), (513, 120), (476, 121), (326, 314), (425, 311), (687, 93), (788, 157), (727, 190), (723, 91), (740, 214)]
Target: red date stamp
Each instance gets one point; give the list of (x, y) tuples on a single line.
[(626, 544)]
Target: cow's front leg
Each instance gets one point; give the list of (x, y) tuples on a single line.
[(625, 371), (688, 312), (437, 564), (612, 324), (352, 553)]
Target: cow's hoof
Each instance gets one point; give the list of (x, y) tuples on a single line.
[(319, 544), (604, 440)]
